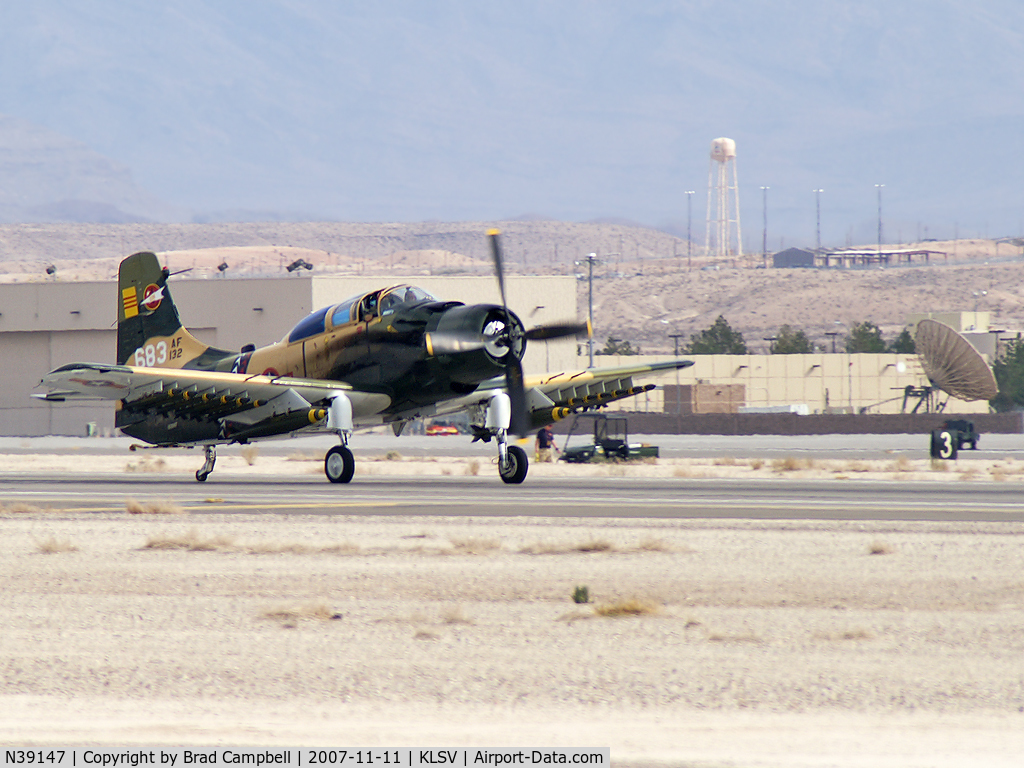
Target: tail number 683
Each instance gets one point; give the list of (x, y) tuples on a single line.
[(156, 354)]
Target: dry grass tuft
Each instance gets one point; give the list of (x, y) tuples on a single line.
[(473, 467), (392, 456), (249, 453), (721, 637), (654, 545), (575, 616), (544, 548), (725, 461), (20, 508), (790, 464), (54, 546), (454, 615), (147, 464), (595, 545), (164, 507), (425, 634), (901, 464), (849, 634), (940, 465), (304, 456), (969, 473), (856, 466), (587, 547), (190, 541), (756, 463), (880, 548), (631, 607), (294, 548), (313, 611), (681, 471), (475, 546)]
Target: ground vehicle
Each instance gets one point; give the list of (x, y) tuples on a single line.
[(611, 441), (952, 437), (966, 430), (442, 429)]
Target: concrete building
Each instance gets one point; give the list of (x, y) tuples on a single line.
[(45, 325), (793, 257), (48, 324), (824, 383)]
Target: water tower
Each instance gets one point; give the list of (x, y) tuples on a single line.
[(723, 227)]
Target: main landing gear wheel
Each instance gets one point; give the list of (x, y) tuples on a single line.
[(339, 464), (513, 471)]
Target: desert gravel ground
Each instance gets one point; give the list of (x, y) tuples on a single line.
[(704, 643)]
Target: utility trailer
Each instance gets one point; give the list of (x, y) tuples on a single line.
[(611, 441)]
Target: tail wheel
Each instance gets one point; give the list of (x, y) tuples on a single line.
[(513, 471), (339, 464)]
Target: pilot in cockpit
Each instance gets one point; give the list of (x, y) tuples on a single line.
[(368, 307)]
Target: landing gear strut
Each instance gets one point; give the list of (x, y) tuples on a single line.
[(339, 463), (512, 461), (207, 468)]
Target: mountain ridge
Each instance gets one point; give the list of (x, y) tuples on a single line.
[(578, 111)]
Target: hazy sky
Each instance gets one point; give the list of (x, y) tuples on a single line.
[(575, 110)]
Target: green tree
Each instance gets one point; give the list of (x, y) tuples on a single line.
[(1009, 373), (865, 337), (614, 346), (719, 339), (903, 344), (790, 342)]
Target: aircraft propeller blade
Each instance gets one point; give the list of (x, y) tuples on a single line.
[(499, 266), (513, 367), (558, 331), (520, 423)]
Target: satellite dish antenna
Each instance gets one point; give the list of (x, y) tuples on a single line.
[(952, 364)]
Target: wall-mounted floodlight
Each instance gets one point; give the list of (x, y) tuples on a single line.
[(222, 267)]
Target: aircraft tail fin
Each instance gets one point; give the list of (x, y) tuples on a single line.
[(149, 331)]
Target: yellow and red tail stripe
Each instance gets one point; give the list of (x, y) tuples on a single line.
[(130, 300)]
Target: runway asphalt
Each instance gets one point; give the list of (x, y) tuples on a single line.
[(381, 440), (582, 497)]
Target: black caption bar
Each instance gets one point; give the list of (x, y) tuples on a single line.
[(177, 757)]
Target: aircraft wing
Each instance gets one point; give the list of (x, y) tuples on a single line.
[(552, 396), (593, 386), (238, 397)]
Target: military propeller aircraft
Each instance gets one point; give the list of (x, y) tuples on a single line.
[(383, 357)]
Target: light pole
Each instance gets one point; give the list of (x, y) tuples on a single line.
[(675, 338), (591, 258), (879, 188), (764, 233), (689, 220), (817, 205)]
